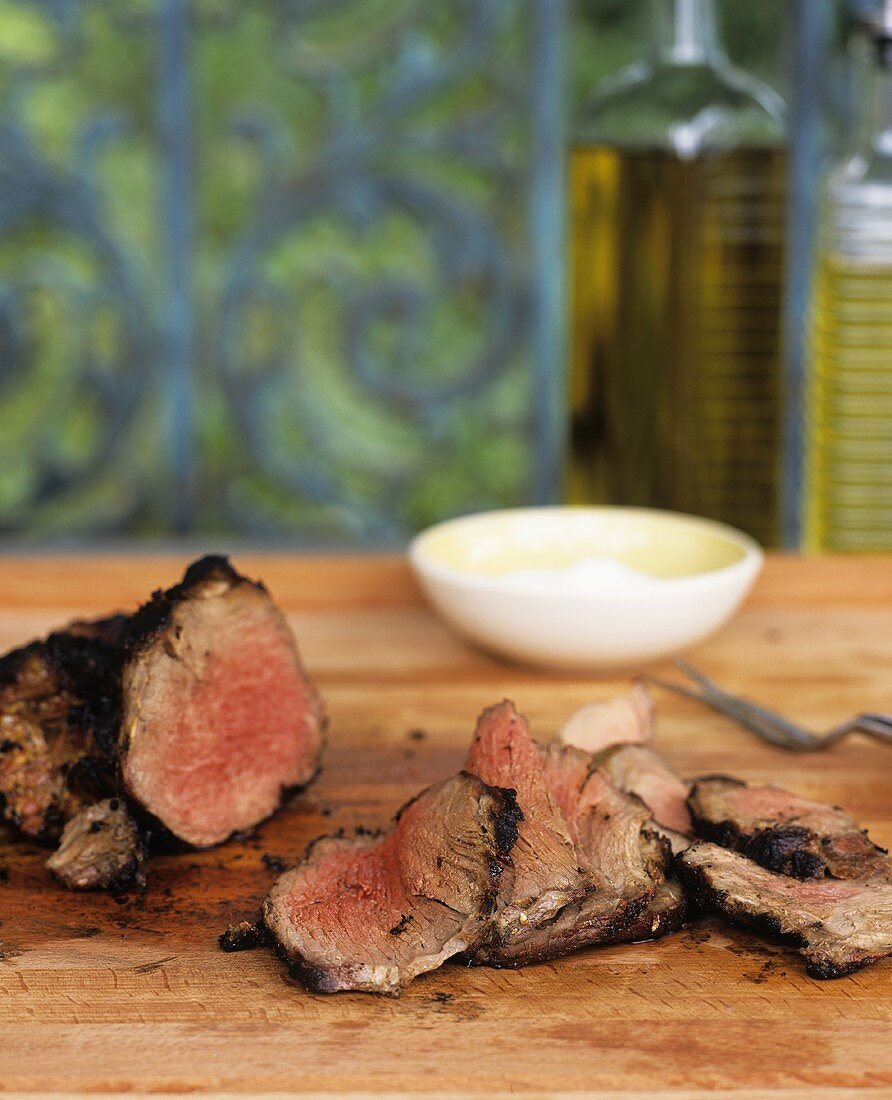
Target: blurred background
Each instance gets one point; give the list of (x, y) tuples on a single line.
[(321, 272)]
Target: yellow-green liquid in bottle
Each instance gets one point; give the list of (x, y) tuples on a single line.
[(848, 437), (848, 474), (677, 267)]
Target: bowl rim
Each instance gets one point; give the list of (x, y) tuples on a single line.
[(748, 565)]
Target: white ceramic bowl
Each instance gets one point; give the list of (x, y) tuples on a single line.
[(696, 574)]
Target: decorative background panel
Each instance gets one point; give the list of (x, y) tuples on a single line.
[(289, 269)]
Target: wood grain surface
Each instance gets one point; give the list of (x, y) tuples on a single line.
[(133, 996)]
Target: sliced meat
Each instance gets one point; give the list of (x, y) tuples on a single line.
[(666, 913), (546, 869), (640, 771), (612, 830), (371, 911), (624, 857), (217, 719), (101, 849), (785, 832), (839, 926), (626, 719), (50, 693)]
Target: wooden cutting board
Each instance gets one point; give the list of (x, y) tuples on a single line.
[(99, 995)]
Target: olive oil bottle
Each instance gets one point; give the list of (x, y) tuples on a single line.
[(678, 180), (848, 452)]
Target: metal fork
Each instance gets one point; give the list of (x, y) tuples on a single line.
[(768, 724)]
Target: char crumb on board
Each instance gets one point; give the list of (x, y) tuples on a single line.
[(242, 936)]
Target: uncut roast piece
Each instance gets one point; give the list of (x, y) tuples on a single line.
[(217, 719), (369, 912), (839, 926), (785, 832), (196, 711), (51, 692)]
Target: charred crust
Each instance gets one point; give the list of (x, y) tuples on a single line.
[(786, 849), (314, 979), (777, 848), (825, 969), (764, 924), (359, 833), (715, 777), (507, 820), (130, 877), (154, 617), (805, 865), (244, 936)]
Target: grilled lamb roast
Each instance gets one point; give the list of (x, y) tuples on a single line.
[(51, 692), (626, 719), (216, 717), (785, 832), (839, 926), (371, 911), (101, 848), (195, 710), (547, 874), (638, 770), (623, 857)]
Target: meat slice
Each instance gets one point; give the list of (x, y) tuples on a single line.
[(624, 857), (546, 869), (610, 829), (50, 694), (371, 911), (217, 718), (638, 770), (626, 719), (839, 926), (664, 914), (785, 832), (101, 849)]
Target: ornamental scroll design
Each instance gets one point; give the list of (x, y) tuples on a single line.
[(345, 220)]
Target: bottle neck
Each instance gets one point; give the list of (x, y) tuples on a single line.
[(881, 118), (685, 32)]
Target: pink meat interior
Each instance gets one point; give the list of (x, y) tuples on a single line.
[(504, 754), (664, 794), (400, 900), (353, 897), (736, 872), (777, 805), (221, 718)]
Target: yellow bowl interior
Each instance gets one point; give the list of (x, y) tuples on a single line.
[(657, 543)]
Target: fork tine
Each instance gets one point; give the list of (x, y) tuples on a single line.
[(771, 717), (731, 708), (696, 675), (768, 724), (875, 725)]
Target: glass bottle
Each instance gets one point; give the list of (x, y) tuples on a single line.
[(848, 437), (677, 179)]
